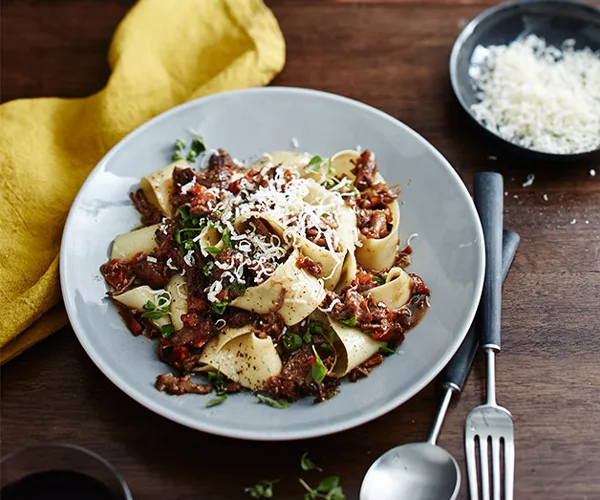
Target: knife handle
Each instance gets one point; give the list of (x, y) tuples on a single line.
[(454, 375), (489, 200)]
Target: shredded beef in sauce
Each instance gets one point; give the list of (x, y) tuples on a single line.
[(172, 384), (373, 214), (150, 214)]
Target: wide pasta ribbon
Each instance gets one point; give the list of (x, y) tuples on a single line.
[(161, 55)]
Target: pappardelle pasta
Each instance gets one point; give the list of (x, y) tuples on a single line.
[(282, 277)]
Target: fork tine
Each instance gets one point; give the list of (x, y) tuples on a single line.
[(471, 468), (509, 468), (485, 468), (496, 468)]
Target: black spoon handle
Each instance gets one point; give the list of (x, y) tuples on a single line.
[(489, 200), (454, 375)]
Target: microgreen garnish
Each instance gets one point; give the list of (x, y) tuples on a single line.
[(314, 164), (314, 328), (227, 238), (216, 401), (238, 288), (152, 311), (219, 307), (328, 489), (292, 341), (198, 146), (178, 151), (167, 331), (275, 403), (262, 489), (213, 250), (386, 350), (192, 155), (208, 267), (307, 464), (330, 168), (348, 322), (380, 280), (318, 370)]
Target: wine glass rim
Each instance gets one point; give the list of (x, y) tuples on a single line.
[(79, 449)]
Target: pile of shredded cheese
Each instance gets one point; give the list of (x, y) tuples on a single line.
[(539, 96), (284, 201)]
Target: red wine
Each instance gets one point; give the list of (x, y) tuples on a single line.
[(57, 484)]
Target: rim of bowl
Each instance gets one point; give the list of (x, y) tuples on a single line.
[(467, 32)]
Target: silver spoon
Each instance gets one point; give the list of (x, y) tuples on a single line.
[(426, 471)]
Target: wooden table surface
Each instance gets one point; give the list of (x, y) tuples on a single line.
[(394, 56)]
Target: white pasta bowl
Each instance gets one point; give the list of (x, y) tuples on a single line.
[(448, 253)]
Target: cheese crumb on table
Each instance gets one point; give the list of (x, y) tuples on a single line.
[(539, 96)]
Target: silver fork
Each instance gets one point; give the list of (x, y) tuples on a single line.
[(490, 427)]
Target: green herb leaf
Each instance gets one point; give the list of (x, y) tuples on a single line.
[(386, 350), (208, 267), (328, 183), (213, 250), (330, 168), (318, 370), (314, 164), (192, 155), (314, 328), (227, 238), (307, 464), (198, 145), (177, 155), (216, 401), (149, 306), (275, 403), (292, 341), (238, 288), (348, 322), (328, 484), (307, 337), (167, 331), (219, 307), (380, 280), (189, 245), (262, 489), (180, 144)]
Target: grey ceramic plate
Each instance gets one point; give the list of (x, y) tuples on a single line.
[(448, 253)]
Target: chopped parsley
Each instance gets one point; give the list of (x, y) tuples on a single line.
[(330, 168), (262, 489), (318, 370), (274, 403), (208, 267)]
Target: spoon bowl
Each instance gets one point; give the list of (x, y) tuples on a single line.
[(415, 471)]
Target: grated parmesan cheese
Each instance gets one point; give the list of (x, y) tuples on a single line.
[(539, 96)]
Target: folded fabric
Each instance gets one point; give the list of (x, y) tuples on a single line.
[(162, 54)]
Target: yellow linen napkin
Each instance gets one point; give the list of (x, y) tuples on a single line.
[(162, 54)]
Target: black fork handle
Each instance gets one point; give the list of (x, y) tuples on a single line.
[(489, 200)]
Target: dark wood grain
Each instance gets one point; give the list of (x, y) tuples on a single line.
[(392, 55)]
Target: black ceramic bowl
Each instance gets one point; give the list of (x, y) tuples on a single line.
[(553, 20)]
